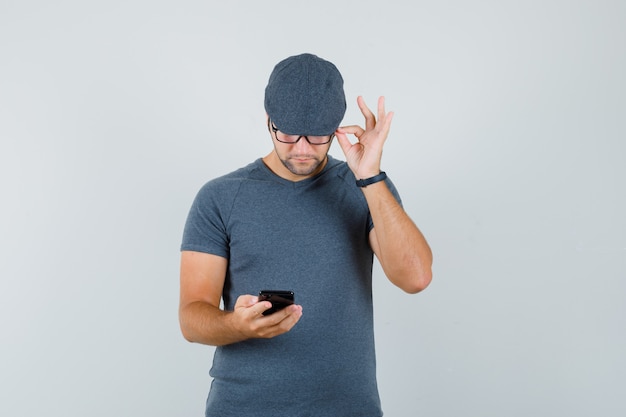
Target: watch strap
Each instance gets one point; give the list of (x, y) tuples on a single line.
[(372, 180)]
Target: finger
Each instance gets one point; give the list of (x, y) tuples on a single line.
[(287, 317), (355, 130), (283, 313), (384, 119), (381, 108), (344, 142), (388, 121), (370, 119), (384, 124), (293, 316), (260, 308)]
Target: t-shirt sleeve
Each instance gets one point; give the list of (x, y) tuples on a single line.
[(205, 229)]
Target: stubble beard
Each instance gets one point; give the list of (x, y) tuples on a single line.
[(303, 169)]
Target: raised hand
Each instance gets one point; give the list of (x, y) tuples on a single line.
[(364, 156)]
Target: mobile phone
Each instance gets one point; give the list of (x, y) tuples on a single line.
[(279, 299)]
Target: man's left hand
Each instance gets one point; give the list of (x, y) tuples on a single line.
[(364, 156)]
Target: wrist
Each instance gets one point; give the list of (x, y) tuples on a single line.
[(364, 182)]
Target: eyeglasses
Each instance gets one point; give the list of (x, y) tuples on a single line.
[(291, 139)]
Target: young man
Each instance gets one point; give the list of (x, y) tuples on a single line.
[(302, 221)]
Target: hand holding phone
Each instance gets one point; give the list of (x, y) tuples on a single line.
[(279, 299)]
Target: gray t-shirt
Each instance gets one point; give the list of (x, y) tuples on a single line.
[(310, 237)]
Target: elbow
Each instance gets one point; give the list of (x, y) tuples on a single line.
[(421, 273), (187, 335), (185, 328), (412, 278), (416, 278), (418, 282), (413, 273)]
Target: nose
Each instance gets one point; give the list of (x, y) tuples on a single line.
[(302, 144)]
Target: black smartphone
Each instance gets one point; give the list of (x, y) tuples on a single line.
[(279, 299)]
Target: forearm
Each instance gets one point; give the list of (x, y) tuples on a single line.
[(201, 322), (402, 250)]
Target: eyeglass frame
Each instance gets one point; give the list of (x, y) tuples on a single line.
[(272, 127)]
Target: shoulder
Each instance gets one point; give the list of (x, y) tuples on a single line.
[(231, 181), (339, 169), (219, 194)]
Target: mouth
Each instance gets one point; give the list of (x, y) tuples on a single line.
[(302, 159)]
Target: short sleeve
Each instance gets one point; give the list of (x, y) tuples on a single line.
[(206, 226)]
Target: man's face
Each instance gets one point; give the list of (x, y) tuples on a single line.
[(301, 159)]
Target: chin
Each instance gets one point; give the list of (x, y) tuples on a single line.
[(298, 169)]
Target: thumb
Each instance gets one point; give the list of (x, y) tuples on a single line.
[(246, 300)]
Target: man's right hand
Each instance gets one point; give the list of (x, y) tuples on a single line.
[(202, 320), (249, 320)]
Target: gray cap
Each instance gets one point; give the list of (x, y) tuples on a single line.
[(304, 96)]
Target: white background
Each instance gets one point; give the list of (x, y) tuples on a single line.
[(508, 148)]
